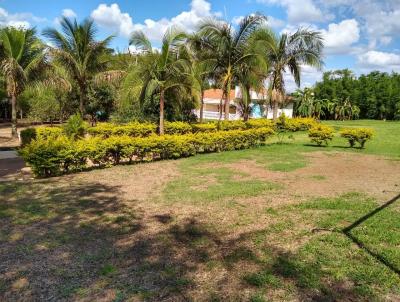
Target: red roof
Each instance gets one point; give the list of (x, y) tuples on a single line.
[(217, 94)]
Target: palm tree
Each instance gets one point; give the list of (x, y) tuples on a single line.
[(227, 48), (160, 71), (79, 53), (287, 53), (21, 59)]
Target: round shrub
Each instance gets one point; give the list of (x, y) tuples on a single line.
[(357, 136), (321, 134)]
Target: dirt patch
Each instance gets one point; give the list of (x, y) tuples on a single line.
[(135, 183), (337, 173)]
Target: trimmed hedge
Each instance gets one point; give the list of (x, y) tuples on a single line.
[(51, 157), (320, 134), (137, 129), (30, 134), (207, 127), (134, 129), (177, 128), (357, 135), (299, 124)]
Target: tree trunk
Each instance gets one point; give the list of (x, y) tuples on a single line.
[(161, 127), (227, 103), (220, 106), (202, 106), (275, 110), (81, 103), (14, 132)]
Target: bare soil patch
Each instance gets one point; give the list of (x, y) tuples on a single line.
[(338, 172)]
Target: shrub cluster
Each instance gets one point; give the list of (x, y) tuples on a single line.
[(357, 136), (177, 128), (207, 127), (134, 129), (30, 134), (50, 157), (300, 124), (320, 134)]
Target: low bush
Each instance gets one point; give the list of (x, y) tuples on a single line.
[(231, 125), (177, 128), (299, 124), (134, 129), (320, 134), (259, 123), (63, 155), (29, 134), (54, 156), (357, 136), (207, 127)]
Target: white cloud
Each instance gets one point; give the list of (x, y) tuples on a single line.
[(112, 18), (300, 11), (341, 36), (377, 17), (18, 20), (69, 13), (379, 60)]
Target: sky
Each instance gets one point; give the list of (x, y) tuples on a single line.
[(362, 35)]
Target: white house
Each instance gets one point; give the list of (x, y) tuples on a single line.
[(212, 99)]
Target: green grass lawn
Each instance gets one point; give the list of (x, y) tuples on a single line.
[(226, 226)]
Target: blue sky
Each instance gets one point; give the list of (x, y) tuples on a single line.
[(362, 35)]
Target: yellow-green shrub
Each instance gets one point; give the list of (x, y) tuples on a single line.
[(53, 156), (207, 127), (299, 124), (357, 135), (320, 134), (62, 155), (29, 134), (134, 129), (232, 125), (259, 123), (177, 128)]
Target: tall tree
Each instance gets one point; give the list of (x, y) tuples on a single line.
[(21, 59), (160, 71), (228, 49), (288, 52), (79, 53)]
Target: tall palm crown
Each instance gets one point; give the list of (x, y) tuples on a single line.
[(228, 48), (287, 53), (162, 70), (21, 59), (79, 53)]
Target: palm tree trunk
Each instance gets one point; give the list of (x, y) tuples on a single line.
[(202, 106), (227, 102), (275, 109), (81, 103), (14, 132), (220, 105), (161, 127)]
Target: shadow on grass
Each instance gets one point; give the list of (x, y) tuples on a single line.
[(376, 255), (75, 241)]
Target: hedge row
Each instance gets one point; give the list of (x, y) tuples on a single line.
[(29, 134), (50, 157), (136, 129)]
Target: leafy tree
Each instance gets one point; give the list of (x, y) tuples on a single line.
[(78, 52), (227, 50), (161, 71), (43, 103), (288, 52), (22, 58)]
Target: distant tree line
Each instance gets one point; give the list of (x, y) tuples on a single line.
[(372, 96)]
